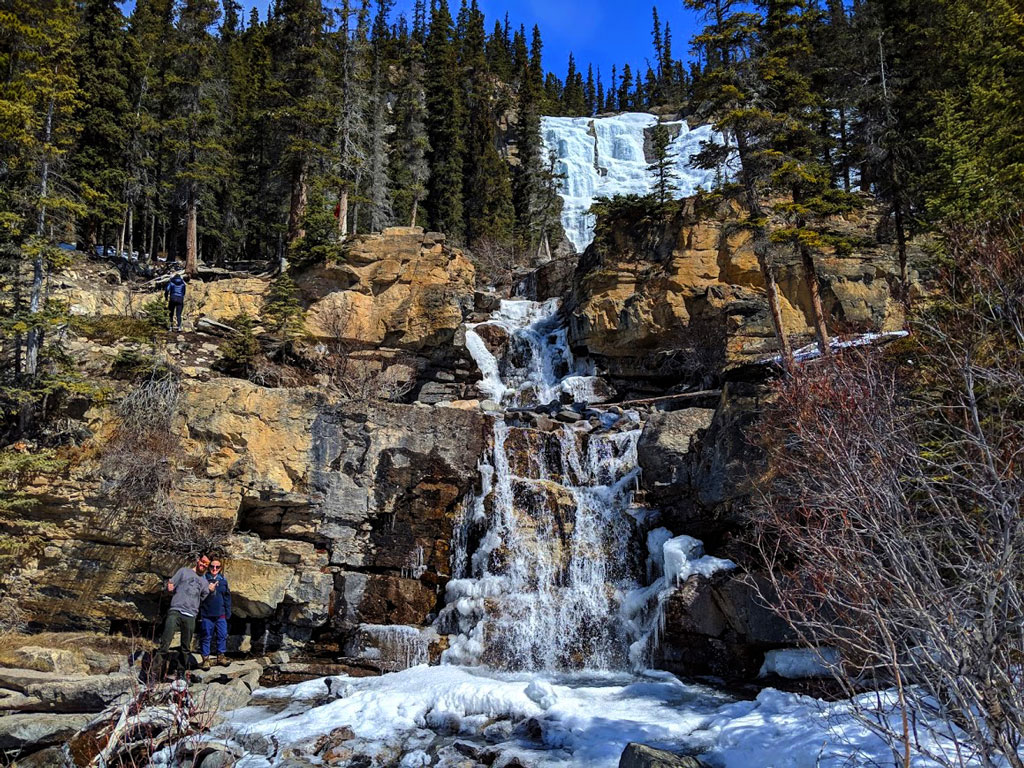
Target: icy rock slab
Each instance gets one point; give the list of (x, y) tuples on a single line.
[(684, 556)]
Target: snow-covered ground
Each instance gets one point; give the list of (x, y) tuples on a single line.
[(410, 717)]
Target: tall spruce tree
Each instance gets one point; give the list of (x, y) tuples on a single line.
[(409, 169), (379, 122), (196, 128), (728, 85), (445, 124), (38, 99), (488, 208), (300, 100), (104, 60), (662, 165)]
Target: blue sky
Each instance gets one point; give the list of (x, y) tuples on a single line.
[(603, 32)]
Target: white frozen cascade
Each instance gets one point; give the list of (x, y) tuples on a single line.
[(544, 571), (604, 156)]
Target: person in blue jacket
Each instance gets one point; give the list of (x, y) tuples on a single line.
[(174, 291), (214, 614)]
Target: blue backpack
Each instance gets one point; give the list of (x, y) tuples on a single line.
[(176, 290)]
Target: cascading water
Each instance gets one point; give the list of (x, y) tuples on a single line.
[(604, 156), (540, 583)]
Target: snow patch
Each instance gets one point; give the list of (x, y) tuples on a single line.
[(799, 663)]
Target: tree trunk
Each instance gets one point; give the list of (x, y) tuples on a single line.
[(811, 278), (343, 213), (131, 230), (297, 208), (120, 235), (844, 146), (34, 337), (901, 246), (762, 249), (415, 209), (191, 244)]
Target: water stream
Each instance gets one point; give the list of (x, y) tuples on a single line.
[(546, 552)]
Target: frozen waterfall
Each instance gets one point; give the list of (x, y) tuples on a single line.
[(604, 156), (542, 558)]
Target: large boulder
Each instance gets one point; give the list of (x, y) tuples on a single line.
[(401, 288), (642, 756), (719, 626), (38, 729), (56, 692), (664, 448)]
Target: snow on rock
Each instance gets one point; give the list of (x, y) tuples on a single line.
[(684, 556), (812, 351), (799, 663), (604, 156), (583, 721), (543, 693)]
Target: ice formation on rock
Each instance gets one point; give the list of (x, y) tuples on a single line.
[(604, 156)]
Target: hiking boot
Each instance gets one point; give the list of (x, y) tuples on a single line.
[(223, 660), (206, 662)]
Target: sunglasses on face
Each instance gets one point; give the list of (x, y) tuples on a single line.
[(214, 567)]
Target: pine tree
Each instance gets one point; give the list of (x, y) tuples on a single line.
[(599, 101), (300, 96), (351, 132), (410, 170), (38, 99), (103, 60), (663, 163), (625, 94), (590, 92), (487, 195), (726, 84), (196, 129), (379, 178), (445, 124)]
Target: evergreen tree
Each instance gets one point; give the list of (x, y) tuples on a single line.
[(351, 131), (488, 194), (103, 61), (574, 95), (662, 165), (445, 124), (38, 99), (379, 177), (590, 93), (195, 130), (625, 94), (299, 94), (410, 170), (599, 102), (728, 85)]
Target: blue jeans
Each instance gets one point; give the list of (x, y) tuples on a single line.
[(207, 629)]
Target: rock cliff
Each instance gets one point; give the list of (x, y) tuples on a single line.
[(335, 507), (671, 299)]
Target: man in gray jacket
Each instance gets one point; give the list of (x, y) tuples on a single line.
[(188, 588)]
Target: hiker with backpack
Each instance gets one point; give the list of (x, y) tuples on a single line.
[(174, 291)]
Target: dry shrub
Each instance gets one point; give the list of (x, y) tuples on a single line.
[(138, 460), (497, 264), (360, 377), (891, 522), (138, 465)]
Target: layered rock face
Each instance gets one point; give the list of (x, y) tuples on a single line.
[(686, 295), (340, 513), (337, 511)]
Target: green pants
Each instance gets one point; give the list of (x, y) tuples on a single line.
[(178, 621)]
